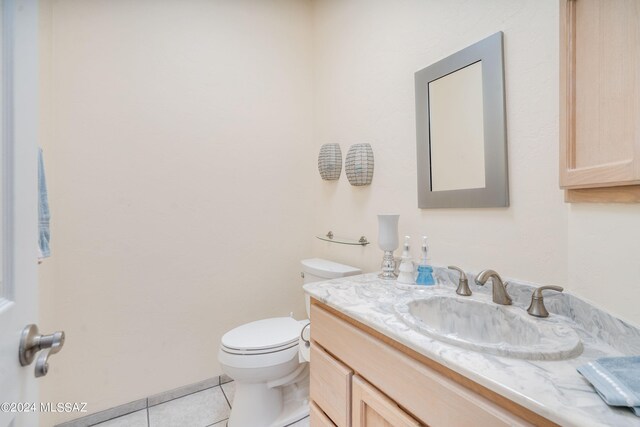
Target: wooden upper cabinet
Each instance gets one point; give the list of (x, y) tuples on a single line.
[(600, 96)]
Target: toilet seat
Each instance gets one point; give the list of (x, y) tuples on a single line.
[(259, 360), (263, 343), (265, 350), (262, 336)]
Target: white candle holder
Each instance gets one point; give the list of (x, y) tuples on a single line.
[(388, 242)]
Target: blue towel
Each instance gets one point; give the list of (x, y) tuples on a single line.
[(43, 211), (616, 379)]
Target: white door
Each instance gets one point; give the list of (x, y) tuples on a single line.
[(19, 208)]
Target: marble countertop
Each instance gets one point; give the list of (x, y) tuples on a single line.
[(553, 389)]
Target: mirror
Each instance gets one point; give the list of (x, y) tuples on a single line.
[(461, 129)]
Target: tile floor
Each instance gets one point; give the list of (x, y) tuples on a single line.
[(206, 408)]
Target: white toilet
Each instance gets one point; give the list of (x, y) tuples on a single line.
[(272, 384)]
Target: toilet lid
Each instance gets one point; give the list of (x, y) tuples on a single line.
[(263, 334)]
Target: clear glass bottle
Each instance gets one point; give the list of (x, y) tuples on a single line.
[(425, 271)]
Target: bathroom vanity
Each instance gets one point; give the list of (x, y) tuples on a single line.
[(371, 366)]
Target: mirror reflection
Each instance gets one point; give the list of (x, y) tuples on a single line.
[(457, 130)]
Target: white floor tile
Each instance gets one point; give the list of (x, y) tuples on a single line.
[(220, 424), (229, 391), (135, 419), (195, 410)]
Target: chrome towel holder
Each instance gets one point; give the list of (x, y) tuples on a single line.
[(329, 237)]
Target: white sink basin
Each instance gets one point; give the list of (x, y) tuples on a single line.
[(490, 328)]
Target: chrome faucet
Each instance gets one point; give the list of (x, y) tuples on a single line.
[(499, 289)]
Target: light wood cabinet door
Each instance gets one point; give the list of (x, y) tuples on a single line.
[(318, 418), (330, 386), (599, 93), (371, 408)]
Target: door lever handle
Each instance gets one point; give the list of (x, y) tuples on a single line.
[(42, 362), (31, 342)]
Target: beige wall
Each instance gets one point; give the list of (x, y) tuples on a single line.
[(604, 248), (177, 147), (365, 55), (181, 142)]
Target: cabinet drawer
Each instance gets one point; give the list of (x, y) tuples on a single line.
[(330, 386), (318, 418), (425, 393)]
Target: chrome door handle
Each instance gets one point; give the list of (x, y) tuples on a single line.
[(31, 342)]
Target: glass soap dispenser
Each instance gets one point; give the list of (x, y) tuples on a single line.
[(425, 271), (407, 273)]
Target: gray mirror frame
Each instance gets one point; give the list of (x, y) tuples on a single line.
[(496, 192)]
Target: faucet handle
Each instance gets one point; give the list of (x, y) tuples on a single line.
[(537, 308), (463, 283)]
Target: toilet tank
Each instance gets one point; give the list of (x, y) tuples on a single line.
[(317, 269)]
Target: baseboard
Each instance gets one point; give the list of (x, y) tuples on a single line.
[(147, 402)]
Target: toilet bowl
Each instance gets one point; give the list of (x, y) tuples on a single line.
[(262, 357)]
